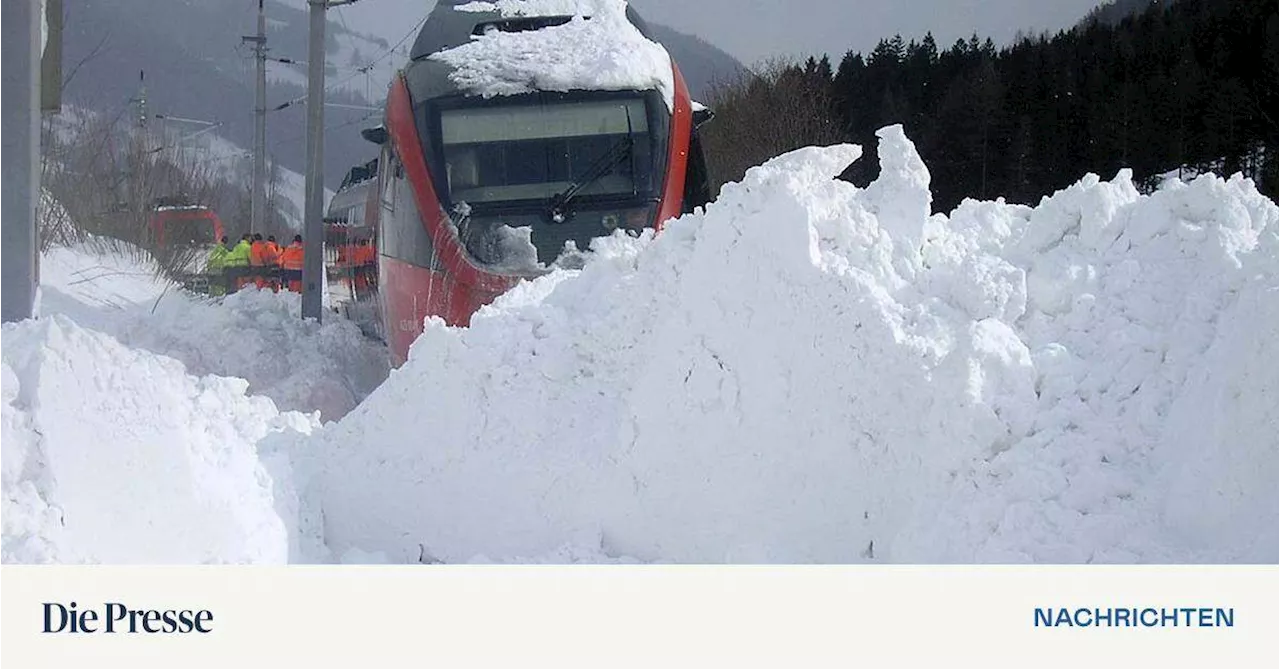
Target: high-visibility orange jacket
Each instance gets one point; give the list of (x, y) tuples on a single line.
[(270, 254), (364, 255), (291, 256), (256, 252)]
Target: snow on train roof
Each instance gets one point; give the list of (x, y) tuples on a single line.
[(599, 48), (532, 7)]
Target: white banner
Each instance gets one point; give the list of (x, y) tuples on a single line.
[(653, 616)]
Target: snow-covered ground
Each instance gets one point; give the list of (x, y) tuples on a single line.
[(138, 420), (114, 454), (254, 335), (805, 372)]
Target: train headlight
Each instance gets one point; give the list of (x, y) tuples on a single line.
[(639, 219)]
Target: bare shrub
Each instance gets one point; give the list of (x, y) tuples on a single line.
[(104, 180), (759, 115)]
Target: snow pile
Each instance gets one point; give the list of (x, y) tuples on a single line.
[(101, 284), (254, 335), (739, 390), (599, 49), (119, 456), (1152, 325), (810, 372)]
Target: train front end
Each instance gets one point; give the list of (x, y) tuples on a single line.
[(514, 137)]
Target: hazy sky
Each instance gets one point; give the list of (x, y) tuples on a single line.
[(752, 30)]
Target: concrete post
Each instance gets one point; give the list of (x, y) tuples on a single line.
[(20, 138), (257, 216), (313, 216)]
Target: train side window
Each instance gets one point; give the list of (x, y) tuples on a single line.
[(401, 232), (389, 178)]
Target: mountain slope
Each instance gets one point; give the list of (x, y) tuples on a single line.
[(701, 63), (196, 67)]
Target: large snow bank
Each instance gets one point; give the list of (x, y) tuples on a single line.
[(116, 451), (117, 455), (1152, 326), (254, 335), (598, 49), (812, 372)]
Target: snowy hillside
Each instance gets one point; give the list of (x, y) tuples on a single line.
[(197, 67), (235, 163), (805, 372)]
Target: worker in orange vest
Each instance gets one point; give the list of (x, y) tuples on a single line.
[(345, 264), (291, 264), (363, 258), (271, 262), (257, 260)]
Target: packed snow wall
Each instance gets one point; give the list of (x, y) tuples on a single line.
[(812, 372)]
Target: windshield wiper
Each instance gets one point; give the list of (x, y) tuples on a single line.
[(621, 150)]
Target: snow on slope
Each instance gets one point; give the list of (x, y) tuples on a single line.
[(236, 164), (117, 455), (254, 335), (810, 372)]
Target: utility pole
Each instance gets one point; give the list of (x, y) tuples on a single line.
[(257, 206), (142, 99), (313, 217), (140, 134), (20, 136)]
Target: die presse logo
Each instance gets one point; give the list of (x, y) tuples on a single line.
[(116, 618)]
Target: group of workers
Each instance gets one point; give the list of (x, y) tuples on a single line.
[(255, 260), (357, 265), (266, 264)]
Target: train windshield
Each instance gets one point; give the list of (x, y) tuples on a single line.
[(595, 149)]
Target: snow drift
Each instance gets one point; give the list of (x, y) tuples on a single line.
[(123, 441), (117, 455), (254, 335), (812, 372), (1152, 325)]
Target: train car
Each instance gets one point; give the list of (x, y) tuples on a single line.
[(350, 228), (517, 131), (185, 225)]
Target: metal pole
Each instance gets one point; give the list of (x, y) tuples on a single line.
[(313, 218), (20, 140), (257, 206)]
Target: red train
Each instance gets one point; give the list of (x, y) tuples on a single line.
[(460, 174), (185, 225)]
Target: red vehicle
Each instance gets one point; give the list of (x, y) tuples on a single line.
[(460, 172), (350, 237), (185, 225)]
